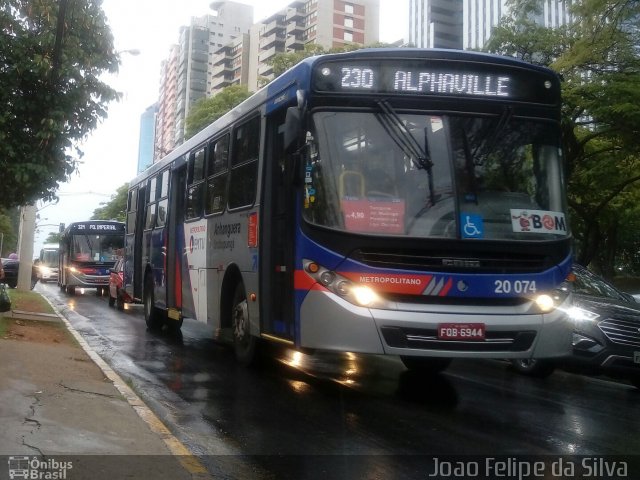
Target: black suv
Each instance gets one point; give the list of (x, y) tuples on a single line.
[(606, 338), (11, 267), (10, 272)]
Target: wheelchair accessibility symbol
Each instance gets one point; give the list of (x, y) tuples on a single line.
[(472, 225)]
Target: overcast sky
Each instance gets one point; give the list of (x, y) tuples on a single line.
[(111, 152)]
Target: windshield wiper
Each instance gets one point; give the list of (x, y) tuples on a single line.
[(402, 137)]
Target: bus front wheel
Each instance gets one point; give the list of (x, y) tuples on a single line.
[(244, 344), (151, 314)]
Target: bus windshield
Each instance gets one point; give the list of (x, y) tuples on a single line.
[(95, 248), (442, 176), (49, 257)]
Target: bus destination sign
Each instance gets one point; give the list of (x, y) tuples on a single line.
[(436, 78), (96, 227)]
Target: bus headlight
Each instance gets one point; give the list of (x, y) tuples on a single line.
[(361, 295), (364, 295), (545, 302)]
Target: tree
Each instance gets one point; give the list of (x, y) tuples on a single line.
[(52, 53), (114, 209), (208, 110), (598, 56), (281, 62), (53, 237)]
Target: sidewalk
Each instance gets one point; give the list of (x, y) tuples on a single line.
[(59, 402)]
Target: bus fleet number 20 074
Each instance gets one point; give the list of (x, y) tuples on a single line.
[(515, 286)]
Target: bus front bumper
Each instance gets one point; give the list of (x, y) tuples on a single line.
[(328, 322)]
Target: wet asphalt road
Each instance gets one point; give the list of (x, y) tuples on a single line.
[(347, 416)]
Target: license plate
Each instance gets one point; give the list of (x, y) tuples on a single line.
[(636, 357), (461, 331)]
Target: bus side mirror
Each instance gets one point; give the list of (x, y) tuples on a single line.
[(292, 129)]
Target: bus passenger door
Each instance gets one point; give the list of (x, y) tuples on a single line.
[(175, 242), (141, 215), (277, 236)]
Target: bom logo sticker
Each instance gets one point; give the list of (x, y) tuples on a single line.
[(538, 221)]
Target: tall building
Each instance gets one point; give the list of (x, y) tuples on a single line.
[(329, 23), (230, 65), (147, 136), (186, 76), (166, 116), (226, 48), (435, 23), (468, 24), (480, 16)]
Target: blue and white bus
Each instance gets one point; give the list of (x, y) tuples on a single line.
[(87, 251), (387, 201)]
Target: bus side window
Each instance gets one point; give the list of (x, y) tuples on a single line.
[(195, 184), (151, 216), (132, 207), (244, 164), (150, 219), (217, 171), (163, 192)]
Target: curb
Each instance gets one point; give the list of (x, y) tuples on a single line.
[(188, 461), (39, 317)]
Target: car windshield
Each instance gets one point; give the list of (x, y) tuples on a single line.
[(435, 176)]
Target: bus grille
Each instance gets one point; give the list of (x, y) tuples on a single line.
[(621, 331), (427, 339), (485, 262)]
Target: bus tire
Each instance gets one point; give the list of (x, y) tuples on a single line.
[(244, 344), (533, 367), (119, 300), (151, 314), (426, 365)]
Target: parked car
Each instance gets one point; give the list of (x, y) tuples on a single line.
[(117, 295), (11, 267), (10, 271), (606, 338)]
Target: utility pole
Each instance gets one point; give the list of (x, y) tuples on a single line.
[(25, 245)]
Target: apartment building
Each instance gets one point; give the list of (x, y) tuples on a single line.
[(329, 23), (230, 65), (186, 76), (468, 24), (167, 100), (226, 48)]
